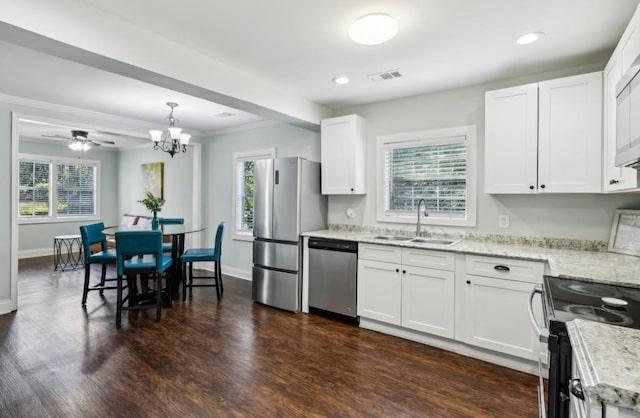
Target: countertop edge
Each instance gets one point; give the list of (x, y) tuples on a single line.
[(592, 383)]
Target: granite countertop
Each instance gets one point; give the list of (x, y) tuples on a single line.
[(597, 266), (607, 359)]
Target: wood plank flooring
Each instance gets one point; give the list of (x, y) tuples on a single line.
[(232, 358)]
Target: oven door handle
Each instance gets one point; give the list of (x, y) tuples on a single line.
[(543, 334)]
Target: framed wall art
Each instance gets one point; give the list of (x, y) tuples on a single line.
[(153, 179), (625, 232)]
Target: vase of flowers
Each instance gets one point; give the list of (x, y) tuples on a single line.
[(153, 204)]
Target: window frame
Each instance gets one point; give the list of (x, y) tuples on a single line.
[(53, 190), (242, 156), (469, 132)]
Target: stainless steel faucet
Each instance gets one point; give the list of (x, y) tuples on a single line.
[(421, 201)]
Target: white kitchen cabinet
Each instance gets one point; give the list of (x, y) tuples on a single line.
[(379, 291), (570, 134), (496, 305), (545, 137), (427, 300), (343, 155), (614, 178), (629, 44), (410, 287), (511, 139)]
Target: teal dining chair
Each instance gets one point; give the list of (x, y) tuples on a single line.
[(140, 252), (166, 246), (195, 255), (92, 234)]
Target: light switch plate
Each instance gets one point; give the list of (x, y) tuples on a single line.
[(503, 221)]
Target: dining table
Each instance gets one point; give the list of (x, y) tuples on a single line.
[(177, 233)]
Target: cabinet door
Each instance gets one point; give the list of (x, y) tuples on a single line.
[(511, 140), (497, 318), (614, 178), (342, 149), (428, 300), (570, 134), (630, 43), (379, 291)]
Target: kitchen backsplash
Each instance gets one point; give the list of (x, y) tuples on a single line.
[(559, 243)]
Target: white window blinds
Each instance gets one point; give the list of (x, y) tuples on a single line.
[(434, 170), (34, 189), (75, 189)]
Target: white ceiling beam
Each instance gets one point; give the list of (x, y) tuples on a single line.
[(82, 33)]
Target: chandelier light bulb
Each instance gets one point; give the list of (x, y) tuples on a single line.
[(172, 141)]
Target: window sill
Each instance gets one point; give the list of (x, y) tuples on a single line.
[(428, 220), (50, 220), (242, 237)]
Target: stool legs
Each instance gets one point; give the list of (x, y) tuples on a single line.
[(85, 290)]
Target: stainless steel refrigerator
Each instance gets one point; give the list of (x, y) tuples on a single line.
[(287, 202)]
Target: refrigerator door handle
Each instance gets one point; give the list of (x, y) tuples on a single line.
[(277, 179)]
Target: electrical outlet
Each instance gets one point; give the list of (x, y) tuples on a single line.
[(503, 221)]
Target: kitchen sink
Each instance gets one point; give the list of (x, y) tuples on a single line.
[(436, 241), (392, 238)]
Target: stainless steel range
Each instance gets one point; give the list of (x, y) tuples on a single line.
[(566, 299)]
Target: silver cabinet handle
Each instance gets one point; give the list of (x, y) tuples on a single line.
[(543, 335), (575, 387)]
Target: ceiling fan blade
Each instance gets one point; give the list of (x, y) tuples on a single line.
[(56, 137), (103, 141), (94, 143)]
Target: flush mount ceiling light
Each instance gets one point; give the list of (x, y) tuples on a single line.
[(341, 79), (373, 29), (173, 140), (529, 38)]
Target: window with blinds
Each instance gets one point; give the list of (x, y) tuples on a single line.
[(34, 200), (434, 170), (438, 166), (244, 205), (243, 181), (75, 189), (57, 189)]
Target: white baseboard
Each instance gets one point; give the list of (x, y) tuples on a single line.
[(236, 272), (39, 252), (6, 306), (226, 270), (458, 347)]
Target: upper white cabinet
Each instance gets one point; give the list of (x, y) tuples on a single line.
[(545, 137), (511, 140), (629, 45), (613, 178), (343, 155)]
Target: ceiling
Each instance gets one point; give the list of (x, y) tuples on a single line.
[(299, 46)]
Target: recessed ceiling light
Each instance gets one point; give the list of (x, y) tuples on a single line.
[(341, 79), (373, 29), (529, 38)]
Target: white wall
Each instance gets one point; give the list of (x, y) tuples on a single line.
[(553, 216), (37, 239), (217, 159), (178, 182)]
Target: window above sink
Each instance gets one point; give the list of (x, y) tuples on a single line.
[(438, 166)]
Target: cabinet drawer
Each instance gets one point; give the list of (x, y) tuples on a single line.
[(439, 260), (384, 253), (505, 268)]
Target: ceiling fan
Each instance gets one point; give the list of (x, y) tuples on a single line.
[(80, 140)]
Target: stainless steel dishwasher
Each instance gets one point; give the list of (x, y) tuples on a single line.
[(332, 276)]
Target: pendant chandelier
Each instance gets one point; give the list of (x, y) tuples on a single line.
[(172, 140)]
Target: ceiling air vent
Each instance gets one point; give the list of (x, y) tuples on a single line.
[(224, 115), (385, 75)]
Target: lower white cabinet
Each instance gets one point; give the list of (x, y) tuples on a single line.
[(496, 303), (428, 300), (379, 291), (414, 291)]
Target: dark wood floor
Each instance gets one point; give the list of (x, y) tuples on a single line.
[(231, 358)]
